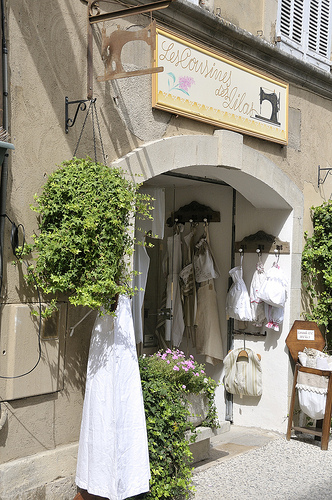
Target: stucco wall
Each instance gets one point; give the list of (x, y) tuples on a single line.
[(47, 61)]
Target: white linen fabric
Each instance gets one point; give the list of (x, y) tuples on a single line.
[(157, 224), (174, 328), (204, 263), (256, 304), (141, 258), (274, 288), (113, 459), (237, 300), (141, 264), (274, 316), (243, 376), (312, 388), (208, 333)]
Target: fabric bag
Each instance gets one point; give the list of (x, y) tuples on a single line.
[(256, 304), (237, 299), (312, 392), (274, 288), (243, 376)]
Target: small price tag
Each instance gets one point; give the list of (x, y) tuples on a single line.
[(305, 334)]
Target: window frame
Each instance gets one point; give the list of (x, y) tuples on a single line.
[(304, 25)]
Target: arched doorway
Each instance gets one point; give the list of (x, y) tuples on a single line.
[(251, 193)]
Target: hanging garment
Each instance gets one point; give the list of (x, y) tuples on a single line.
[(141, 258), (188, 289), (274, 317), (243, 376), (208, 334), (113, 459), (256, 304), (174, 327), (157, 224), (141, 265), (237, 299), (204, 263), (274, 288)]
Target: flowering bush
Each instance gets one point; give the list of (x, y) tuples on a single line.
[(185, 373), (166, 378)]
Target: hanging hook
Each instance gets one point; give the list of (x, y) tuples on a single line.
[(277, 254)]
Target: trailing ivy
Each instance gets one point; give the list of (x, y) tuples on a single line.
[(85, 241), (317, 268)]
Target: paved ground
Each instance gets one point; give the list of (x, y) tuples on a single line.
[(254, 464), (234, 442)]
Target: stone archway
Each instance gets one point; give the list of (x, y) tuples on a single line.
[(224, 156)]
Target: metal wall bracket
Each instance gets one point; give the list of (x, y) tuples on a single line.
[(70, 122), (327, 170)]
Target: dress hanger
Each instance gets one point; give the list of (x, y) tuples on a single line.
[(244, 354)]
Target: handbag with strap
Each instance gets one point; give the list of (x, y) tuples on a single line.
[(243, 375)]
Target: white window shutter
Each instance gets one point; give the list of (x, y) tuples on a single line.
[(319, 24), (304, 30), (291, 19)]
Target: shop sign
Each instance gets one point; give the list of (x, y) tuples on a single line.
[(305, 334), (207, 86)]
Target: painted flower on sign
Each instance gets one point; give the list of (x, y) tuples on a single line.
[(183, 85)]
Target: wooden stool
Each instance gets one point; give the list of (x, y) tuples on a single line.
[(324, 432)]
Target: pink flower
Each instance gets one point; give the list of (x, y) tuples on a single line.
[(185, 82), (183, 387), (176, 368)]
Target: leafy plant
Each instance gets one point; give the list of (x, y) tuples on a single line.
[(166, 378), (317, 267), (86, 210)]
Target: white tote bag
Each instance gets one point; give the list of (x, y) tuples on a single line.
[(243, 376)]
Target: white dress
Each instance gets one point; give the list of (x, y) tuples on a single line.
[(174, 327), (256, 304), (208, 333), (113, 459), (237, 300)]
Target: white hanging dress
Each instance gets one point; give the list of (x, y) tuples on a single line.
[(256, 304), (113, 458), (237, 299), (174, 328), (208, 333)]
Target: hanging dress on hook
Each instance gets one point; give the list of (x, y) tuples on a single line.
[(237, 299), (188, 288), (274, 294), (208, 333), (256, 304), (174, 327), (274, 288)]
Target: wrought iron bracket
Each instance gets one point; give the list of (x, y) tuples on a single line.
[(328, 171), (70, 122)]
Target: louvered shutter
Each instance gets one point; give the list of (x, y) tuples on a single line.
[(304, 30), (291, 19), (319, 22)]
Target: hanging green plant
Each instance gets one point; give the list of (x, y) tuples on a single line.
[(85, 236), (317, 268)]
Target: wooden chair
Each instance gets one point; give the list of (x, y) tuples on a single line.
[(324, 431)]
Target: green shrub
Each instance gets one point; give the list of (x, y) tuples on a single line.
[(317, 267), (166, 378), (84, 241)]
